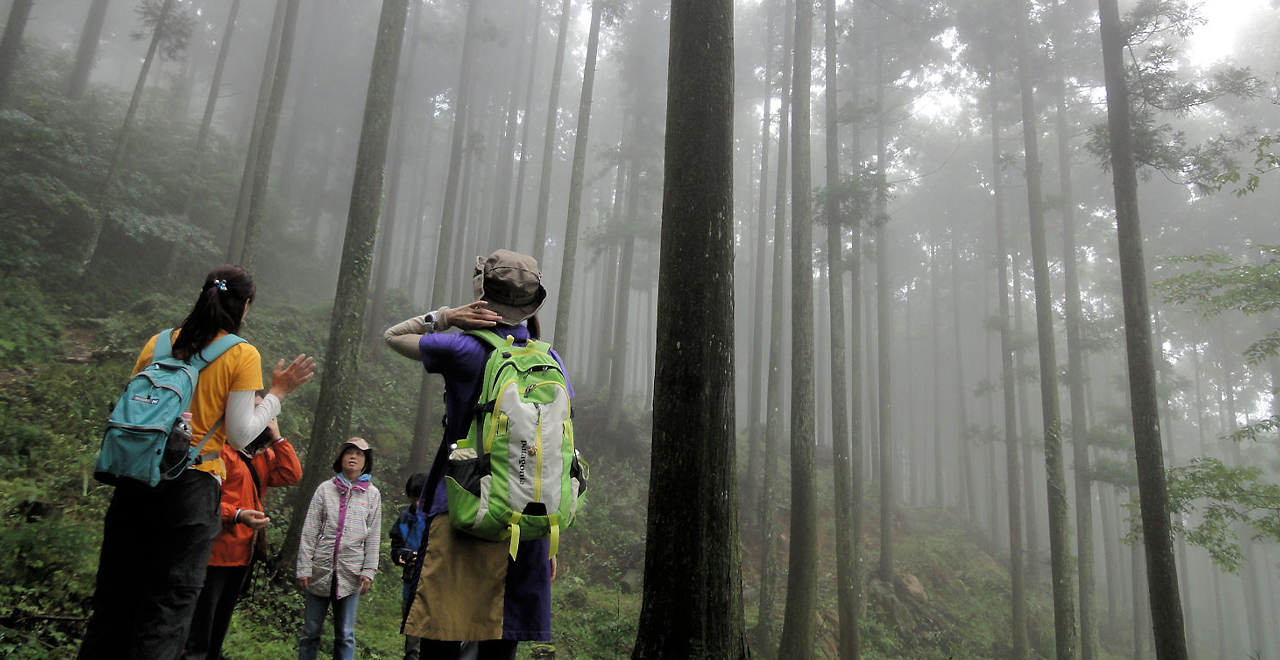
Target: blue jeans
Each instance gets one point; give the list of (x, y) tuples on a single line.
[(344, 626)]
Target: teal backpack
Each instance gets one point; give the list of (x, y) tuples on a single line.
[(142, 443), (517, 475)]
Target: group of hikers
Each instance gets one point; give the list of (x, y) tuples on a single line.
[(177, 554)]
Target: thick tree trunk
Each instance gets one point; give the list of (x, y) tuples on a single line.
[(798, 621), (549, 137), (340, 372), (87, 50), (1066, 635), (11, 45), (1018, 618), (692, 605), (570, 259), (1162, 576)]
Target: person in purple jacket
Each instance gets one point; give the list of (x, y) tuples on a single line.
[(469, 589)]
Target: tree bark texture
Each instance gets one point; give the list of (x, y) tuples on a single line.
[(798, 622), (1162, 576), (569, 261), (11, 45), (1066, 634), (87, 50), (692, 606)]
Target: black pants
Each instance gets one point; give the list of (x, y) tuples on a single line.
[(494, 649), (222, 585), (155, 547)]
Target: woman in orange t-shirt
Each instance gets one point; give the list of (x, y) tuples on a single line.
[(156, 541)]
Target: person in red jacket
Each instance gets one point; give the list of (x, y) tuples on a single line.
[(267, 462)]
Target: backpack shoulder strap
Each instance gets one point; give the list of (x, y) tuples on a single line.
[(163, 348), (208, 354), (488, 337)]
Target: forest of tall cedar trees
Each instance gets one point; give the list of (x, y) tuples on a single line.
[(896, 329)]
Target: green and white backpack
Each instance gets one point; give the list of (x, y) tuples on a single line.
[(517, 475)]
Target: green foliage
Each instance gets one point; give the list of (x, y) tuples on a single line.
[(1265, 159), (30, 331), (1155, 32), (178, 26), (1224, 498)]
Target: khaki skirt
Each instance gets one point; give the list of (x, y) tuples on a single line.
[(461, 587)]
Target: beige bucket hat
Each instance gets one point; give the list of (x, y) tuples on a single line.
[(511, 283)]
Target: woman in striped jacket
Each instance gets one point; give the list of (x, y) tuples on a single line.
[(338, 555)]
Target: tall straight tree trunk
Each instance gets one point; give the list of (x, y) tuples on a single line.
[(756, 376), (802, 574), (117, 156), (500, 224), (693, 381), (622, 298), (847, 550), (11, 45), (513, 237), (340, 374), (1075, 360), (429, 393), (1066, 635), (1031, 530), (235, 247), (257, 208), (570, 259), (1018, 618), (385, 249), (773, 394), (935, 348), (968, 491), (549, 136), (87, 50), (1162, 575), (211, 104), (883, 330)]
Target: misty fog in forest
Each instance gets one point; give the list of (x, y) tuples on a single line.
[(970, 348)]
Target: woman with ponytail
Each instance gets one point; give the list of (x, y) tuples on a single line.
[(156, 541)]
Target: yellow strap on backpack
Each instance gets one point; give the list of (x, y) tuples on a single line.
[(515, 533), (555, 536)]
